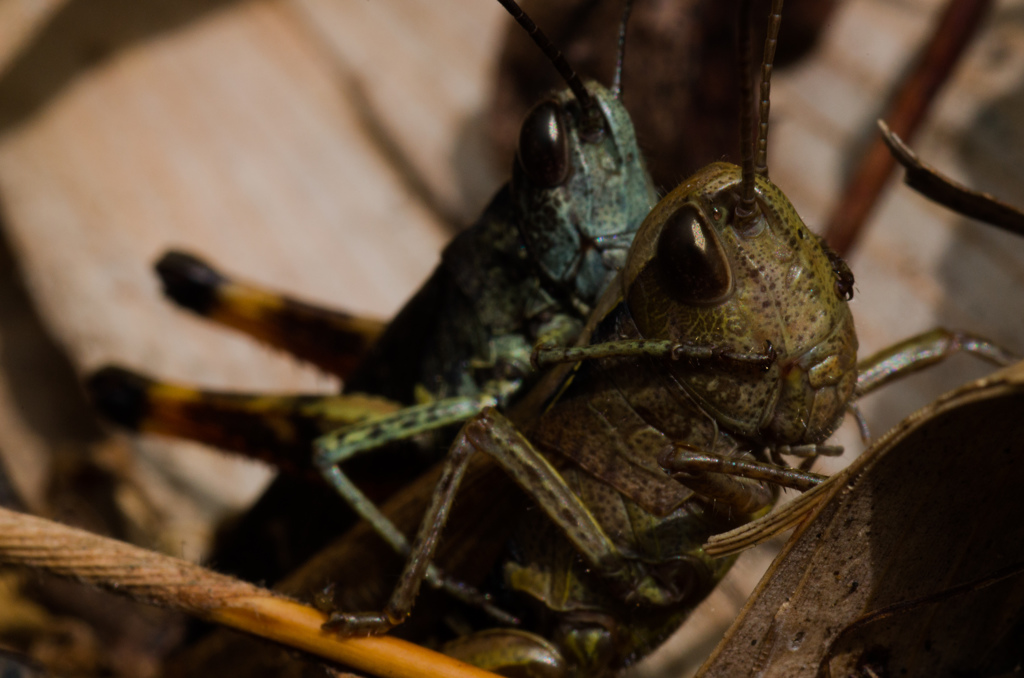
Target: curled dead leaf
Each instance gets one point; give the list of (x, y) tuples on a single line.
[(913, 564)]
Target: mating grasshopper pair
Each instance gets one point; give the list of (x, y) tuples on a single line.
[(725, 343)]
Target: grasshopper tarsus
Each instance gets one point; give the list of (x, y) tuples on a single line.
[(188, 280), (119, 395)]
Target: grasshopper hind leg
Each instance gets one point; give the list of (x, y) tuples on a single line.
[(276, 429), (298, 513), (332, 340)]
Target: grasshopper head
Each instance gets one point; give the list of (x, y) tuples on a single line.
[(699, 275), (580, 193)]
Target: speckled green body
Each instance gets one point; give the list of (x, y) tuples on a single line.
[(535, 263), (614, 417), (471, 327), (468, 333), (578, 234), (784, 293)]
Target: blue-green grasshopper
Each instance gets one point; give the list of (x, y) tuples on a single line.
[(529, 270)]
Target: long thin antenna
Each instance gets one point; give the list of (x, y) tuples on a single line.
[(771, 41), (556, 58), (621, 58), (746, 208)]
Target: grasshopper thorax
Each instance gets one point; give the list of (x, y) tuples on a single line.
[(697, 278), (579, 195)]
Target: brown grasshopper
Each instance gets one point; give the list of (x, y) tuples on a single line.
[(725, 344)]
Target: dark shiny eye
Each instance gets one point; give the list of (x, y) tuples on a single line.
[(692, 260), (543, 146)]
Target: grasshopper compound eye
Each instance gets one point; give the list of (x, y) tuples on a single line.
[(692, 259), (543, 145)]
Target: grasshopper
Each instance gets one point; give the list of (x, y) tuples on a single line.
[(724, 344), (530, 269), (714, 375)]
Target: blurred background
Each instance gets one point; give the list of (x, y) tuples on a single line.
[(330, 148)]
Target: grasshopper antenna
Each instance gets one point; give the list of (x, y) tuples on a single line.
[(755, 153), (771, 41), (747, 207), (621, 58), (592, 118)]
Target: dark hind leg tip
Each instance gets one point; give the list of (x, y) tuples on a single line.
[(188, 281), (120, 396)]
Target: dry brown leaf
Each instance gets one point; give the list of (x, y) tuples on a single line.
[(914, 566)]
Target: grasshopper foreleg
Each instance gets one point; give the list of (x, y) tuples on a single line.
[(545, 356), (923, 351), (339, 446), (491, 433), (692, 467)]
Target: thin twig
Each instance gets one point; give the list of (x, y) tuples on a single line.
[(957, 25), (169, 582), (932, 184)]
